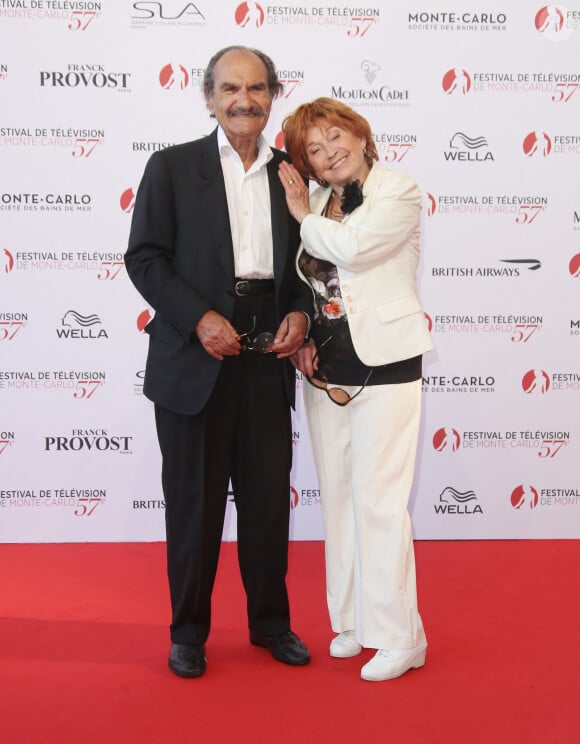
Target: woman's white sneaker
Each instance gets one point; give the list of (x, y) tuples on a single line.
[(345, 645), (391, 664)]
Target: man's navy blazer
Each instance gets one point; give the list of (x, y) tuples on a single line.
[(180, 258)]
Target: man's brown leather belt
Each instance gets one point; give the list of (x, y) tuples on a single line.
[(247, 287)]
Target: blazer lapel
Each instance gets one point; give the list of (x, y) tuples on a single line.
[(215, 204), (279, 220)]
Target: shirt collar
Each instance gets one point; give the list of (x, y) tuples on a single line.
[(265, 153)]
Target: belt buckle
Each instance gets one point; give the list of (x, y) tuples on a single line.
[(242, 288)]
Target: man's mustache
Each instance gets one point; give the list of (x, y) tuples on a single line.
[(252, 111)]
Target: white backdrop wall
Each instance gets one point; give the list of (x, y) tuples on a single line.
[(479, 102)]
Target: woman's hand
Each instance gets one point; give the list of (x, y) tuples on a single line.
[(297, 194)]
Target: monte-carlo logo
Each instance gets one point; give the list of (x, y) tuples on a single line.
[(106, 266), (522, 208), (451, 21), (356, 21), (81, 502), (74, 15), (558, 87), (544, 444), (82, 142), (82, 384), (518, 329)]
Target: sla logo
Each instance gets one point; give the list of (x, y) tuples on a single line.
[(574, 266), (535, 381), (429, 320), (293, 498), (173, 76), (550, 22), (279, 142), (537, 143), (446, 438), (249, 14), (8, 261), (456, 80), (142, 320), (127, 200), (523, 495)]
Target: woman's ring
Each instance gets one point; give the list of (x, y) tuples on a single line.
[(290, 181)]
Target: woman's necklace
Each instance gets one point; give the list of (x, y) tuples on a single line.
[(333, 208)]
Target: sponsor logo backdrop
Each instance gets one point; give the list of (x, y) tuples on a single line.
[(479, 102)]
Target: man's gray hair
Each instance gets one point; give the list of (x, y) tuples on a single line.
[(274, 85)]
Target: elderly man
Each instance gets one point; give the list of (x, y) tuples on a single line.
[(212, 249)]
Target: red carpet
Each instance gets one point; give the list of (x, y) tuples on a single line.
[(83, 649)]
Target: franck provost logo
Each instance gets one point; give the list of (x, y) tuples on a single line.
[(93, 76), (88, 440)]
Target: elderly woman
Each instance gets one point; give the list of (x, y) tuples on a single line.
[(359, 253)]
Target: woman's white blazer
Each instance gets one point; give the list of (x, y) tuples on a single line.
[(376, 252)]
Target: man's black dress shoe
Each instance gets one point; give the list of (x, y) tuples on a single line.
[(286, 647), (187, 661)]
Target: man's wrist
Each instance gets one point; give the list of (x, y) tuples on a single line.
[(308, 324)]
